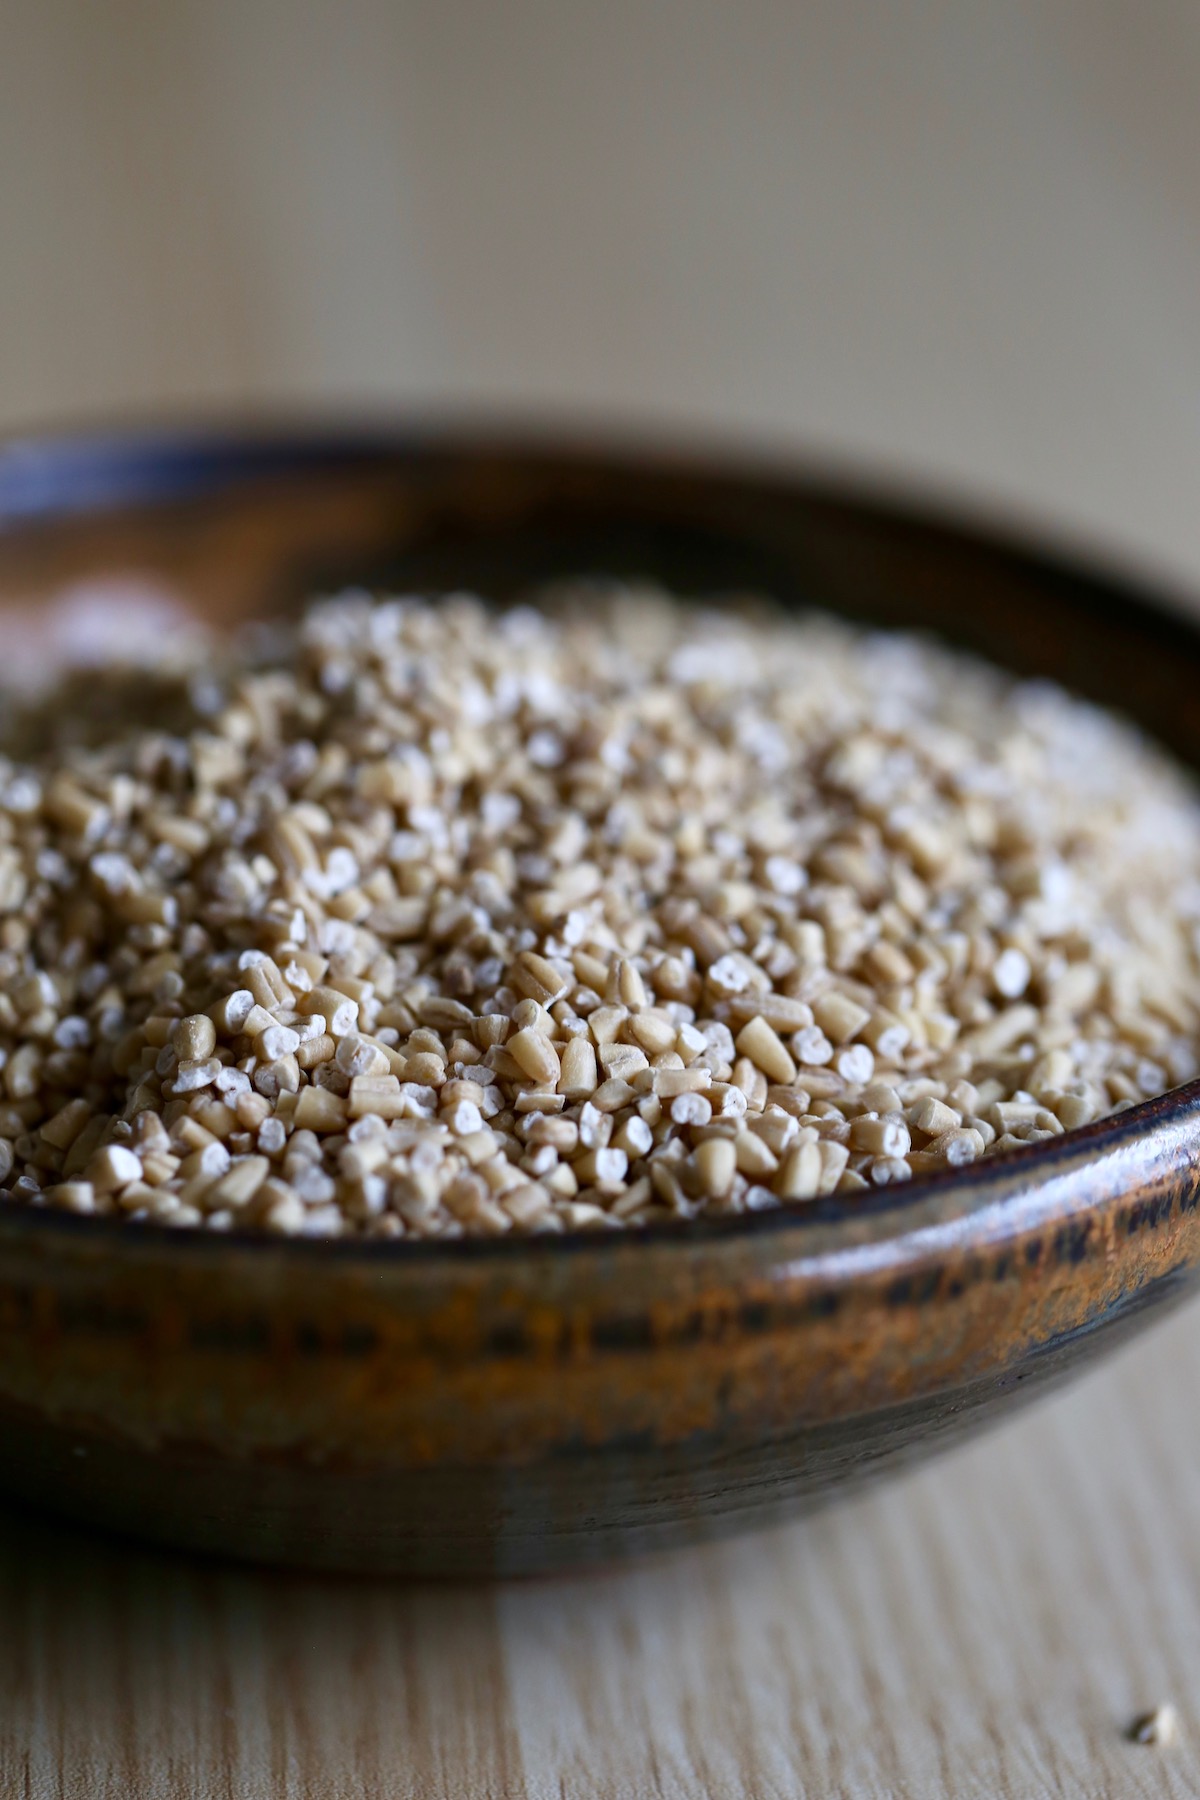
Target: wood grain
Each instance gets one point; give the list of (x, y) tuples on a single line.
[(985, 1627), (220, 203)]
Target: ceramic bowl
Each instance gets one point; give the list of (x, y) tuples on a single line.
[(523, 1405)]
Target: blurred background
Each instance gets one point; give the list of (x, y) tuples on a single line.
[(957, 246), (960, 245)]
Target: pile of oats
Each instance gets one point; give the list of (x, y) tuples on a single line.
[(427, 920)]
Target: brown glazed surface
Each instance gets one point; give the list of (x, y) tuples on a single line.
[(511, 1406)]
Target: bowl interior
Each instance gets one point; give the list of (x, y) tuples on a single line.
[(242, 526), (502, 1405)]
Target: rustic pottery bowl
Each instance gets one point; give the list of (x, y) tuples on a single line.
[(512, 1406)]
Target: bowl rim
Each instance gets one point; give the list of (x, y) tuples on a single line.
[(56, 478), (992, 1181)]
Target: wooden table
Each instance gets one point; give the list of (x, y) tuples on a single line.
[(987, 1626)]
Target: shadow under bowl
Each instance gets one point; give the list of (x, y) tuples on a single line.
[(513, 1406)]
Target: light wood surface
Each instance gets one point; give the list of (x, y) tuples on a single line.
[(960, 242), (987, 1626), (957, 241)]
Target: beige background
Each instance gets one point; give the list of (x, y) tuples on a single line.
[(957, 242), (961, 241)]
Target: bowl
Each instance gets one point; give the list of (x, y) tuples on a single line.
[(510, 1406)]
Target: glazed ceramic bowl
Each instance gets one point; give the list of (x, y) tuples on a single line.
[(519, 1405)]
